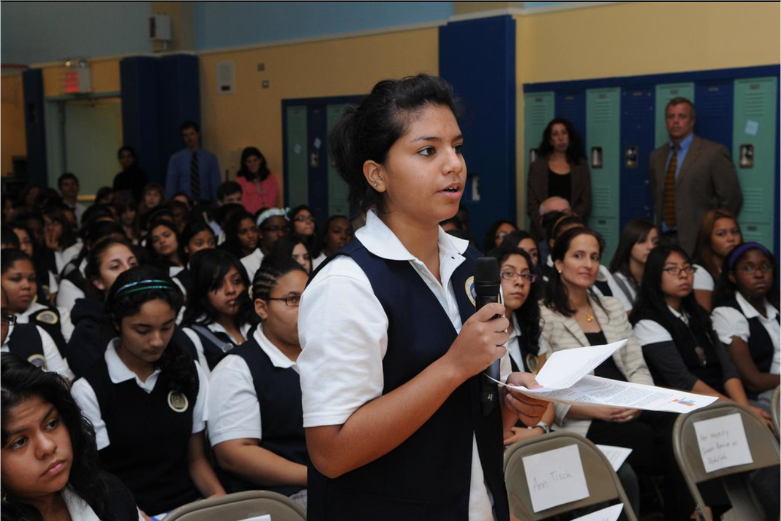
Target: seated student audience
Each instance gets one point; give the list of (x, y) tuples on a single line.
[(255, 413), (293, 247), (719, 232), (46, 281), (180, 212), (50, 465), (496, 234), (241, 241), (73, 283), (30, 342), (574, 315), (337, 232), (676, 333), (229, 192), (27, 197), (145, 376), (106, 260), (305, 226), (219, 313), (560, 170), (152, 196), (127, 210), (19, 283), (523, 240), (637, 240), (69, 191), (258, 184), (272, 224), (132, 179), (746, 319)]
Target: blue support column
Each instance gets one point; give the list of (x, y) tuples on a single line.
[(35, 126), (478, 58), (139, 79), (180, 100)]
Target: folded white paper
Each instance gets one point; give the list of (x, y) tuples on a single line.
[(606, 514), (615, 455)]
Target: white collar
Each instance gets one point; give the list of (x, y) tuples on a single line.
[(277, 357), (8, 336), (216, 327), (118, 372), (516, 333), (678, 315), (750, 311), (77, 507), (382, 242), (257, 254), (34, 308)]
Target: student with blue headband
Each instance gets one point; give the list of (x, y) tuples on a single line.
[(146, 398)]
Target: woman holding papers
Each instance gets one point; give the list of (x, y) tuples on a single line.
[(392, 344), (573, 316), (676, 332)]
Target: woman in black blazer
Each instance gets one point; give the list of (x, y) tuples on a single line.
[(560, 170)]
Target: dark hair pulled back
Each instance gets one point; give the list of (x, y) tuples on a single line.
[(556, 293)]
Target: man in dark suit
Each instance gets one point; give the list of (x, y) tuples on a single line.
[(690, 176)]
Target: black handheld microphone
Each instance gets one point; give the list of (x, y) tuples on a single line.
[(487, 284)]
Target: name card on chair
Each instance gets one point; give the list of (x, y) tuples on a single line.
[(555, 477), (722, 442)]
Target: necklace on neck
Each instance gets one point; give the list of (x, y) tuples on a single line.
[(589, 316)]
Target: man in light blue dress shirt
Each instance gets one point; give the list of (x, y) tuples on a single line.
[(193, 170)]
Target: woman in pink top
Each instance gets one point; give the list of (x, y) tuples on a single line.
[(258, 184)]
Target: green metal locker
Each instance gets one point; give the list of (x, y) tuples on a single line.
[(603, 135), (664, 93), (296, 156), (539, 109), (338, 191), (754, 153)]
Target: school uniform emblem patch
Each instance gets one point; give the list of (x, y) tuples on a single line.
[(469, 286), (38, 361), (47, 317), (177, 401)]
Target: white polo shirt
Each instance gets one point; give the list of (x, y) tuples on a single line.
[(214, 327), (233, 406), (343, 330), (118, 372), (729, 322)]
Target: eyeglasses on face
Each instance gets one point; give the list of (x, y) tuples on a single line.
[(749, 269), (675, 271), (291, 302), (512, 276)]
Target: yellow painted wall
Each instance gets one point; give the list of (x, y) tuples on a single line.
[(253, 115), (637, 38), (13, 141)]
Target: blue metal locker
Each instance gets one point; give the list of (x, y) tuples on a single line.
[(571, 105), (637, 142), (715, 110)]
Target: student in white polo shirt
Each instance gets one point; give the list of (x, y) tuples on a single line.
[(255, 415)]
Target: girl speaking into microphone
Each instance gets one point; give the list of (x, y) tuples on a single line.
[(393, 349)]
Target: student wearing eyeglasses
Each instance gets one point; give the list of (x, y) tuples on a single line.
[(219, 313), (255, 412), (747, 321)]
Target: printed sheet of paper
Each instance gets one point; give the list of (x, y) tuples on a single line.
[(615, 455), (565, 368), (606, 514), (722, 442), (555, 477)]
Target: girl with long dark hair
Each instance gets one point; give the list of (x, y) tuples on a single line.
[(719, 233), (47, 286), (747, 321), (219, 313), (390, 320), (637, 240), (337, 233), (146, 398), (496, 234), (50, 465), (255, 416), (241, 241), (560, 170), (293, 247), (258, 184)]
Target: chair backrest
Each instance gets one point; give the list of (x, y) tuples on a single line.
[(602, 482), (762, 445), (774, 412), (240, 506)]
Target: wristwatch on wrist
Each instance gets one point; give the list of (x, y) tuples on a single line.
[(541, 425)]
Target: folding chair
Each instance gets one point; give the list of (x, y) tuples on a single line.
[(240, 506), (602, 482), (774, 410), (764, 453)]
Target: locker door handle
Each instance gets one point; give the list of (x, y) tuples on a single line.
[(630, 156), (596, 157)]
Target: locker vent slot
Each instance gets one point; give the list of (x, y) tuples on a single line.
[(537, 114), (714, 105), (755, 104), (602, 196), (603, 111), (754, 198)]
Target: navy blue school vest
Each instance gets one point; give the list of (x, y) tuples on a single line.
[(25, 342), (279, 395), (760, 345), (49, 320), (428, 475), (710, 373), (212, 352), (149, 435)]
